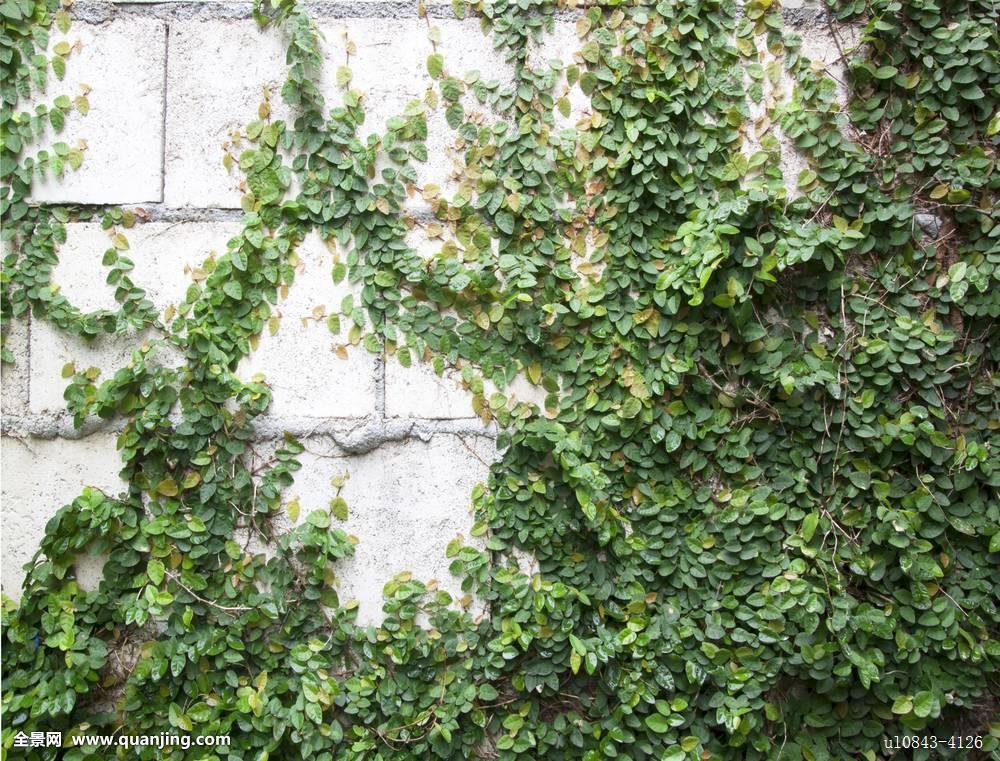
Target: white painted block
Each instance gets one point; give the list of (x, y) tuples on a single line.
[(824, 49), (819, 46), (217, 74), (562, 45), (123, 64), (14, 376), (218, 70), (164, 255), (417, 391), (52, 349), (413, 4), (39, 477), (521, 390), (406, 502), (300, 361), (392, 74)]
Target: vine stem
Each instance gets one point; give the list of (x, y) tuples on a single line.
[(226, 608)]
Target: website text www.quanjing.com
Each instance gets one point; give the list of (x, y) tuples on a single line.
[(160, 741)]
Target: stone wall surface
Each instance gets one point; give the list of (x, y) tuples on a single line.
[(169, 83)]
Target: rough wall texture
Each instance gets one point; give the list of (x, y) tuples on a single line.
[(170, 82)]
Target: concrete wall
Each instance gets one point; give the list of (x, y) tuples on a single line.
[(169, 84)]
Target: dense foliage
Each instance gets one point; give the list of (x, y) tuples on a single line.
[(762, 497)]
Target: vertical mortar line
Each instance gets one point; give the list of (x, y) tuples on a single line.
[(27, 368), (163, 123), (380, 362)]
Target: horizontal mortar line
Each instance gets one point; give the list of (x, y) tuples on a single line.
[(101, 11), (153, 211), (372, 433), (352, 435), (158, 212)]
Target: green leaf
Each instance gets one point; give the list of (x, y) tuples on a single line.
[(657, 723), (809, 524), (631, 408), (902, 705), (923, 704), (860, 479), (505, 222), (319, 519), (167, 487), (994, 126), (154, 570), (454, 115), (435, 65), (807, 177), (338, 507)]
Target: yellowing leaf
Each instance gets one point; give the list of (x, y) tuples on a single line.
[(167, 487), (338, 506)]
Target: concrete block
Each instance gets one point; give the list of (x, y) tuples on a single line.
[(392, 6), (216, 77), (417, 391), (300, 360), (123, 63), (406, 502), (391, 75), (820, 47), (14, 376), (164, 255), (52, 349), (39, 477), (562, 45), (829, 53), (804, 4), (218, 70), (521, 390)]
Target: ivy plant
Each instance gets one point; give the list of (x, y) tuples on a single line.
[(759, 504)]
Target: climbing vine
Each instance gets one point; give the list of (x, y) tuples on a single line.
[(760, 500)]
